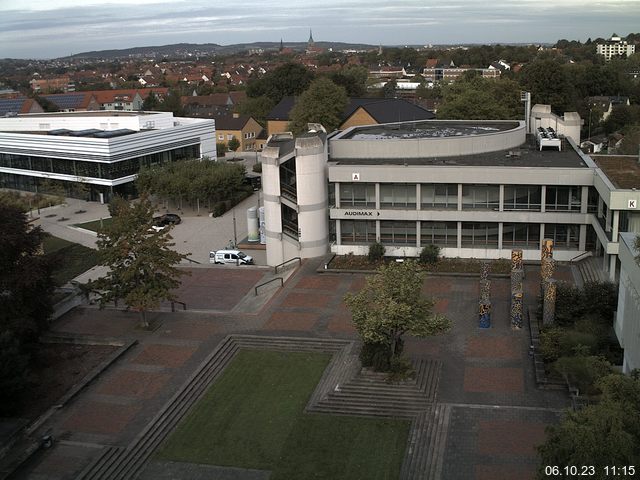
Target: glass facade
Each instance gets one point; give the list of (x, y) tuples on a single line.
[(443, 234), (566, 199), (362, 195), (397, 232), (439, 196), (398, 195), (565, 237), (480, 197), (477, 234), (288, 185), (522, 197), (105, 170), (524, 235), (357, 232)]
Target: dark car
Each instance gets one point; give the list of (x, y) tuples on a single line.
[(165, 220)]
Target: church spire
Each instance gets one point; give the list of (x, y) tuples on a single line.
[(310, 38), (281, 46)]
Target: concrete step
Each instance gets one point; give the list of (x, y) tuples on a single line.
[(362, 411)]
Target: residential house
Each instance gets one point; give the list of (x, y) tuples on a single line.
[(242, 127), (605, 105), (359, 111), (210, 106), (49, 85), (15, 106), (73, 102)]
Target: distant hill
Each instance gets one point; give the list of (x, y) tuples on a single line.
[(200, 49)]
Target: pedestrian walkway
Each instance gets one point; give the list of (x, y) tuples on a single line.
[(483, 413)]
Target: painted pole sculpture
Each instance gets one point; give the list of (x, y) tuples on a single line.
[(549, 305), (484, 306), (547, 284), (517, 291)]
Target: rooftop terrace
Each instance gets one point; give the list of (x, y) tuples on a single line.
[(622, 170)]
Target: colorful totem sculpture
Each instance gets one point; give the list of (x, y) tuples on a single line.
[(517, 290), (484, 305)]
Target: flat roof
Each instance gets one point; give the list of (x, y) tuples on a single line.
[(90, 113), (428, 129), (527, 155), (622, 170)]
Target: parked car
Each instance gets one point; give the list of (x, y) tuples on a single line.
[(163, 221), (235, 257)]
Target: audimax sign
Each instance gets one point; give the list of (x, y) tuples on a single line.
[(360, 213)]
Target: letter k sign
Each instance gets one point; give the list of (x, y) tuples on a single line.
[(632, 203)]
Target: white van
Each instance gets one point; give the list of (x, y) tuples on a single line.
[(234, 257)]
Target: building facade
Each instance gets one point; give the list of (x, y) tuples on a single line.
[(615, 47), (476, 189), (96, 154), (627, 321)]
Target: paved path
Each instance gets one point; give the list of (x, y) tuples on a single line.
[(495, 413)]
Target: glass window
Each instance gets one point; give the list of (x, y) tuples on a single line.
[(592, 200), (476, 234), (397, 195), (565, 237), (436, 196), (522, 197), (480, 197), (356, 232), (357, 195), (563, 199), (439, 233), (521, 235), (397, 232)]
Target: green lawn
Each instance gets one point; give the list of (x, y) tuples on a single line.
[(70, 259), (252, 417), (94, 225)]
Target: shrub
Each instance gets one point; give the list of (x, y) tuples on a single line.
[(376, 252), (556, 342), (218, 209), (400, 369), (221, 149), (429, 254), (583, 371), (376, 356), (257, 168)]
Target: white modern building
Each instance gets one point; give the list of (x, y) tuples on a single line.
[(475, 188), (627, 321), (103, 150), (615, 47)]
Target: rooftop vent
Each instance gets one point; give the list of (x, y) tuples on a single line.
[(547, 137)]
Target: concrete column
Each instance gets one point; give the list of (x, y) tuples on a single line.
[(543, 199), (459, 245), (418, 239), (584, 200), (272, 212), (615, 225), (501, 199), (418, 199), (338, 232), (600, 203), (582, 242), (612, 267), (500, 230), (377, 230), (378, 201), (337, 194), (541, 235), (459, 198)]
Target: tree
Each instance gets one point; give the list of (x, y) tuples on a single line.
[(141, 263), (221, 149), (353, 78), (151, 102), (258, 108), (550, 84), (389, 89), (286, 80), (323, 102), (234, 144), (391, 305), (477, 98), (601, 435)]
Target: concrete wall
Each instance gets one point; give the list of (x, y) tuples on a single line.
[(627, 320), (567, 125)]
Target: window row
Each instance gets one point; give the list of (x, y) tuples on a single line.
[(81, 168), (445, 234), (474, 197)]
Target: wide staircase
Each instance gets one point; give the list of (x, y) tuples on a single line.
[(590, 270)]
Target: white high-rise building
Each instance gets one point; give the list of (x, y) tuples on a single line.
[(615, 47)]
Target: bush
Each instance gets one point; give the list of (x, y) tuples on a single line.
[(400, 369), (218, 209), (376, 356), (221, 149), (429, 254), (376, 252), (583, 371), (556, 342), (257, 168)]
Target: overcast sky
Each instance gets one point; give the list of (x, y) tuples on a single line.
[(54, 28)]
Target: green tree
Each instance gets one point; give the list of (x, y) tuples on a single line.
[(604, 434), (234, 144), (141, 264), (550, 84), (151, 102), (221, 149), (353, 78), (476, 98), (391, 304), (257, 107), (323, 102), (389, 89), (289, 79)]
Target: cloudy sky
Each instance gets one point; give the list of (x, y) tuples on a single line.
[(53, 28)]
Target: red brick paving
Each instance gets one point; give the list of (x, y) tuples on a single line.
[(82, 323), (436, 286), (509, 437), (510, 472), (493, 380), (131, 383), (217, 288), (165, 355), (341, 323), (441, 306), (300, 321), (320, 282), (314, 300), (101, 418), (189, 329), (357, 283), (494, 347)]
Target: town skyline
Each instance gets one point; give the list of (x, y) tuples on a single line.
[(61, 28)]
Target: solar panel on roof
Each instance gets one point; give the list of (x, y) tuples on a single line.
[(59, 131), (84, 133), (114, 133), (73, 100), (10, 105)]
